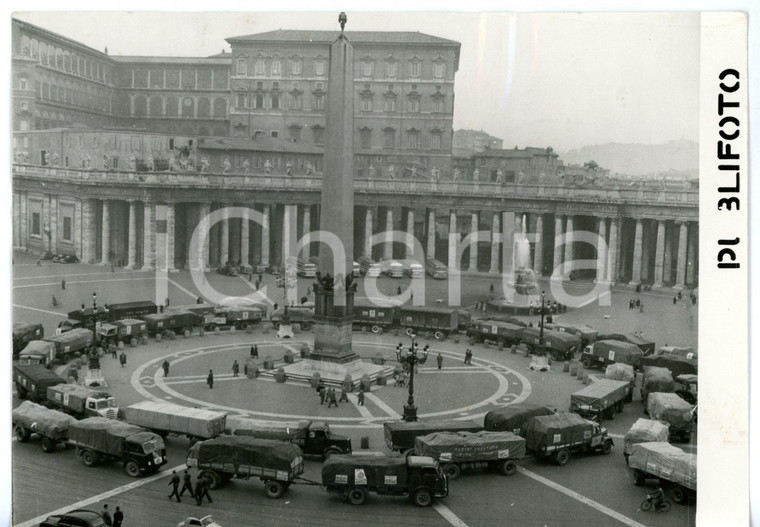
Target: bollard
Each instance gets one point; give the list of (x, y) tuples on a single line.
[(378, 359), (280, 376), (381, 380), (158, 337), (579, 374), (365, 442), (348, 383), (527, 352), (187, 333), (232, 329), (288, 357), (586, 379), (456, 340), (513, 349), (366, 383), (121, 345), (566, 367), (305, 351), (364, 329), (217, 330), (314, 380), (548, 360), (249, 330), (573, 370), (144, 340), (265, 331), (268, 363), (172, 335), (202, 331), (133, 342)]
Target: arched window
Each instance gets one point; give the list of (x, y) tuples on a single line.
[(43, 53), (35, 48), (25, 45), (241, 66), (156, 108), (172, 109)]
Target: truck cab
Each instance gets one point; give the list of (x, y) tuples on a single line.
[(108, 332), (425, 472), (322, 442), (101, 405), (146, 450), (67, 325)]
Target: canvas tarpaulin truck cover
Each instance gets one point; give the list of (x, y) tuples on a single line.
[(645, 431), (109, 435), (549, 431), (657, 379), (600, 395), (49, 423), (281, 430), (36, 348), (619, 371), (677, 365), (197, 422), (665, 461), (670, 408), (364, 470), (403, 432), (512, 418), (236, 451), (76, 339), (618, 351), (466, 446)]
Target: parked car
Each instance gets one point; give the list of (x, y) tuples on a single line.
[(79, 517), (47, 255), (65, 258), (191, 521), (228, 270)]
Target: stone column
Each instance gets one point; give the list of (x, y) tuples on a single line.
[(659, 255), (558, 240), (288, 226), (691, 255), (306, 251), (88, 231), (265, 235), (538, 248), (430, 252), (105, 238), (76, 228), (15, 220), (612, 252), (410, 234), (54, 224), (149, 236), (601, 251), (170, 236), (245, 248), (367, 252), (683, 239), (388, 245), (23, 221), (667, 265), (453, 241), (474, 245), (200, 260), (224, 241), (637, 242), (132, 234), (569, 236), (495, 238)]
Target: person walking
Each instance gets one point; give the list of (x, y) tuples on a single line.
[(118, 517), (174, 483), (235, 369), (106, 516), (210, 379), (261, 278), (63, 284), (201, 490), (256, 351), (165, 366), (439, 360), (112, 346), (187, 484), (360, 397), (675, 300), (343, 395), (466, 355), (332, 398), (641, 307), (123, 359)]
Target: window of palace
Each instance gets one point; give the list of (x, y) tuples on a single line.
[(295, 100), (318, 132), (240, 99), (391, 68), (319, 67), (275, 101), (439, 69), (436, 140), (296, 66), (413, 138), (368, 67), (366, 103), (365, 135), (259, 66), (295, 133), (414, 104), (415, 67), (276, 67), (319, 101), (389, 138), (36, 224), (241, 66), (274, 133), (390, 103), (66, 234), (259, 101)]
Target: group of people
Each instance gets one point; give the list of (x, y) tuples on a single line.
[(201, 487), (679, 297), (331, 396), (112, 521), (468, 356), (636, 303)]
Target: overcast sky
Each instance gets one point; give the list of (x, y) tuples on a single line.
[(534, 79)]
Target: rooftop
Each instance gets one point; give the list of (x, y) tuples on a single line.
[(359, 37)]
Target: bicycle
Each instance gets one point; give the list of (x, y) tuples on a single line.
[(647, 505)]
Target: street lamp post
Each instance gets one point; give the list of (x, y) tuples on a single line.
[(541, 331), (409, 356)]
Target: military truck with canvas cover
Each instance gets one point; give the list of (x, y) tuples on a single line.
[(671, 409), (66, 344), (560, 346), (303, 315), (512, 418), (181, 322), (441, 321), (238, 317), (645, 345), (677, 365), (314, 438), (457, 451), (81, 401), (687, 388), (619, 371), (172, 419), (38, 352), (587, 334), (656, 379), (676, 469), (601, 399), (560, 435), (126, 330), (400, 435), (375, 318), (645, 431), (678, 351), (25, 332), (503, 333), (276, 463), (30, 418), (33, 380), (97, 439), (602, 353), (353, 477)]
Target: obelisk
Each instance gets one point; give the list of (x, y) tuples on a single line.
[(333, 296)]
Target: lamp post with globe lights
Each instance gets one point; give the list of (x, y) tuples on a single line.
[(410, 357)]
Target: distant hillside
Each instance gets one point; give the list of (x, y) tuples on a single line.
[(638, 159)]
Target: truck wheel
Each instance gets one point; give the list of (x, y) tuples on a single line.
[(607, 447), (214, 478), (376, 329), (610, 412), (48, 445), (562, 457), (274, 489), (680, 495), (357, 496), (452, 470), (439, 335), (509, 468), (305, 326), (329, 452), (22, 434), (586, 363), (423, 498), (88, 458), (22, 392), (408, 452), (132, 468), (276, 325), (639, 478)]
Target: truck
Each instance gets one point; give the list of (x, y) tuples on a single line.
[(457, 451), (181, 322), (80, 401), (619, 371), (678, 351), (167, 419), (23, 333), (512, 418), (605, 352), (503, 333), (237, 317), (587, 334), (687, 388), (400, 435), (314, 438), (677, 365), (561, 346), (655, 379), (90, 316), (644, 431), (602, 399), (671, 409), (303, 315), (198, 309), (440, 320), (98, 439), (375, 318), (559, 435), (354, 477), (66, 344), (127, 330), (276, 463), (38, 352), (675, 469), (33, 380), (645, 345), (51, 426)]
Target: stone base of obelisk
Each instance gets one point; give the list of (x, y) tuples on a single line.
[(335, 372), (94, 378)]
